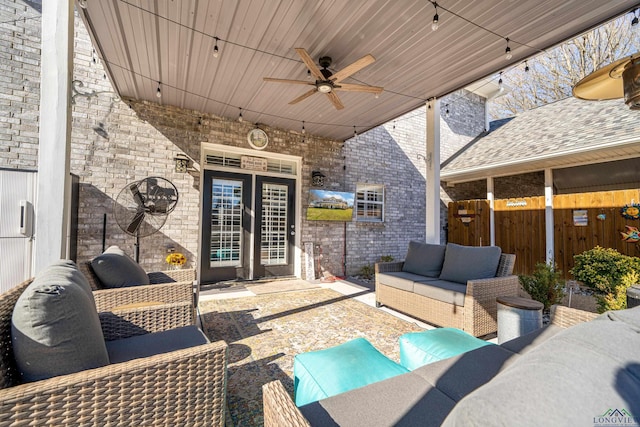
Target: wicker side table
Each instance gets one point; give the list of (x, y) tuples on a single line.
[(517, 316)]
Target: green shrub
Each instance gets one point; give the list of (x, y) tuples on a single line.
[(545, 285), (386, 258), (367, 271), (609, 273)]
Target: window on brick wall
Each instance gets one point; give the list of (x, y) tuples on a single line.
[(370, 202)]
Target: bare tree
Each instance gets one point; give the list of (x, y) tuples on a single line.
[(550, 76)]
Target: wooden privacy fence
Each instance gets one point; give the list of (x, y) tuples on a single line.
[(581, 222)]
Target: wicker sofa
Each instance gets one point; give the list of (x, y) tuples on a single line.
[(451, 286), (171, 384), (558, 375)]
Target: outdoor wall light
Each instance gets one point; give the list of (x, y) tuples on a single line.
[(317, 179), (182, 163)]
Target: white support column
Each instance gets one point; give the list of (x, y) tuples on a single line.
[(548, 215), (433, 173), (52, 206), (492, 216)]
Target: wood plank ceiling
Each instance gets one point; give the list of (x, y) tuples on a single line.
[(143, 42)]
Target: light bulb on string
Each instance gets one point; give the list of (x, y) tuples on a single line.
[(634, 21), (355, 132), (507, 52), (216, 51), (240, 118), (436, 19), (446, 111), (526, 67), (303, 129), (500, 83), (158, 91), (308, 74)]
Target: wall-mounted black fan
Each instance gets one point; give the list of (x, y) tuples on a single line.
[(142, 207)]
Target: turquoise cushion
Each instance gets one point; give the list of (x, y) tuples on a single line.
[(424, 259), (464, 263), (324, 373), (420, 348)]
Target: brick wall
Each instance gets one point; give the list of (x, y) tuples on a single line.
[(144, 137)]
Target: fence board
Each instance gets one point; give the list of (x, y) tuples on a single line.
[(520, 226)]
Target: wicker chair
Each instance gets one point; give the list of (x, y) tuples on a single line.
[(279, 409), (184, 387), (478, 316), (172, 286)]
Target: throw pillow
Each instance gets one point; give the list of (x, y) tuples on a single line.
[(66, 271), (55, 329), (116, 269), (464, 263), (424, 259)]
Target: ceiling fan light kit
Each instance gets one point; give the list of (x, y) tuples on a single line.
[(616, 80), (327, 82)]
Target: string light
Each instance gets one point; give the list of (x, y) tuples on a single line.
[(507, 52), (634, 21), (303, 129), (446, 111), (526, 66), (355, 132), (308, 74), (500, 83), (394, 125), (435, 23), (216, 51), (240, 119), (159, 92)]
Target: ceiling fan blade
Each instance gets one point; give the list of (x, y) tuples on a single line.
[(315, 71), (135, 223), (333, 97), (353, 68), (295, 82), (303, 96), (359, 88)]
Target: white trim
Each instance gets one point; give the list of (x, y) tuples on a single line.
[(432, 220), (492, 212), (516, 167), (548, 216)]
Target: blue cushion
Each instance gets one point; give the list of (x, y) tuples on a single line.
[(464, 263), (116, 269), (424, 259), (420, 348), (323, 373)]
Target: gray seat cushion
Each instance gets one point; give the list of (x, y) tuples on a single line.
[(404, 400), (442, 290), (571, 378), (401, 280), (424, 259), (531, 340), (146, 345), (116, 269), (55, 328), (464, 263)]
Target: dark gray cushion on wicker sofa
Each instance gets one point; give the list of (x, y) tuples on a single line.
[(464, 263), (424, 259), (404, 400), (402, 280), (116, 269), (442, 290), (571, 378), (55, 329), (140, 346)]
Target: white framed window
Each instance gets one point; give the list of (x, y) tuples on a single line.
[(370, 202)]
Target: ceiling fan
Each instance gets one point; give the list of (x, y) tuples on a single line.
[(328, 83), (618, 79)]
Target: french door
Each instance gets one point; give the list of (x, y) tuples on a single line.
[(248, 229)]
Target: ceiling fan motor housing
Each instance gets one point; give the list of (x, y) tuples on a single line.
[(631, 82)]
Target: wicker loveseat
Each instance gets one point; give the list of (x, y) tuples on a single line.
[(553, 376), (183, 386), (452, 286)]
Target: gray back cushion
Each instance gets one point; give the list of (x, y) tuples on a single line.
[(66, 271), (570, 379), (424, 259), (116, 269), (464, 263), (55, 329)]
